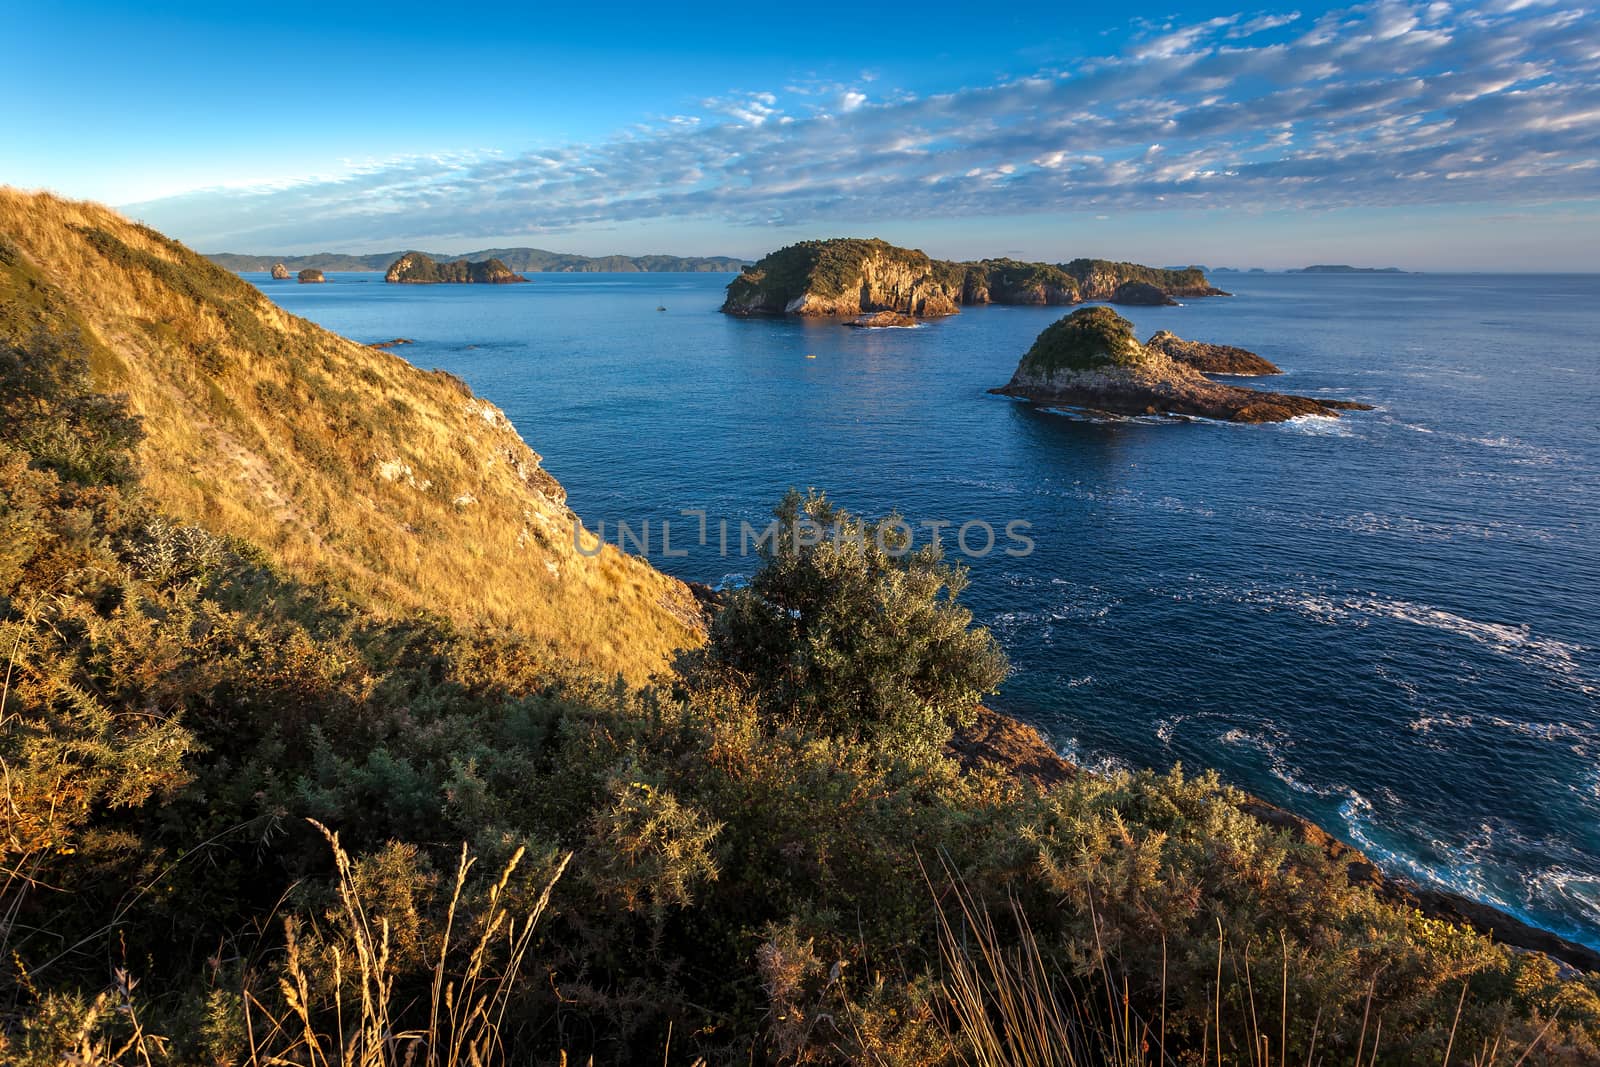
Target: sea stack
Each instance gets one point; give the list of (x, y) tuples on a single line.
[(280, 272), (311, 275), (1091, 359)]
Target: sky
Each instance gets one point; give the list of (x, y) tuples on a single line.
[(1432, 136)]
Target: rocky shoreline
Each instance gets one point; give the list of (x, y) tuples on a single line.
[(1020, 750), (1091, 359)]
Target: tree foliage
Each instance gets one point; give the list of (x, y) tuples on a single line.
[(850, 631)]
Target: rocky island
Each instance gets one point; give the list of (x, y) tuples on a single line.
[(280, 272), (849, 277), (415, 268), (311, 276), (1091, 359)]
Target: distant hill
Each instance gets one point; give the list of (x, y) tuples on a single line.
[(1345, 268), (522, 260)]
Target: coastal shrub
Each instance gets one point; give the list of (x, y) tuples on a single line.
[(1087, 339), (847, 631), (49, 410)]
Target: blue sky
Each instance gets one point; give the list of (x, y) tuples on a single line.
[(1431, 135)]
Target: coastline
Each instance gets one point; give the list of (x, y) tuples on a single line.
[(1015, 747)]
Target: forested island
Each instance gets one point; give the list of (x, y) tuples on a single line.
[(852, 276)]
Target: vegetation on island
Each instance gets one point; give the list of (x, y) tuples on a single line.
[(1087, 339), (255, 816)]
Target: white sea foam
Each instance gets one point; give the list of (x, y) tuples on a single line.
[(1318, 426)]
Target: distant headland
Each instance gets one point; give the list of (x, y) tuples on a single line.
[(854, 276), (520, 260), (1345, 268)]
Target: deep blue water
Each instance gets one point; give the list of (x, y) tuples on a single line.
[(1387, 623)]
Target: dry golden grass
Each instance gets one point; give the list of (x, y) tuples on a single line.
[(345, 463)]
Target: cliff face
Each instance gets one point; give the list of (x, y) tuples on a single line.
[(345, 464), (1090, 359), (850, 276), (418, 269), (842, 277), (1099, 279)]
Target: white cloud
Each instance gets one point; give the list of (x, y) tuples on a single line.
[(1385, 104)]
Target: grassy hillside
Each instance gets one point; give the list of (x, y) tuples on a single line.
[(348, 465)]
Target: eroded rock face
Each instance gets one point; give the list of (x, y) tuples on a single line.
[(843, 278), (1210, 359), (280, 272), (311, 275), (1091, 359), (415, 268)]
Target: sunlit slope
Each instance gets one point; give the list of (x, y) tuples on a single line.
[(345, 463)]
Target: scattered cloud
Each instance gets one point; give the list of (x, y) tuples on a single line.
[(1387, 104)]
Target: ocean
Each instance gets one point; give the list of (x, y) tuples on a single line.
[(1388, 623)]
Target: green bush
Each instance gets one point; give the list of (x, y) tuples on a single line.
[(847, 631)]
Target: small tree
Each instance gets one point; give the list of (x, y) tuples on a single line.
[(847, 631)]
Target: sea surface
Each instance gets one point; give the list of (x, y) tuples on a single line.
[(1389, 623)]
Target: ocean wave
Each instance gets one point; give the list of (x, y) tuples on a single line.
[(1278, 764), (1317, 426), (1513, 640)]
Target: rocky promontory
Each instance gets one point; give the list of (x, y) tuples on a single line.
[(415, 268), (311, 275), (1210, 359), (883, 320), (280, 273), (848, 277), (1091, 359)]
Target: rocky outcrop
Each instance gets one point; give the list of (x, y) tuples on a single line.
[(883, 320), (1141, 294), (1210, 359), (850, 276), (311, 275), (415, 268), (1091, 359), (280, 273), (843, 277)]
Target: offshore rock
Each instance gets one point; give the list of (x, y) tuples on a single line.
[(1091, 359)]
